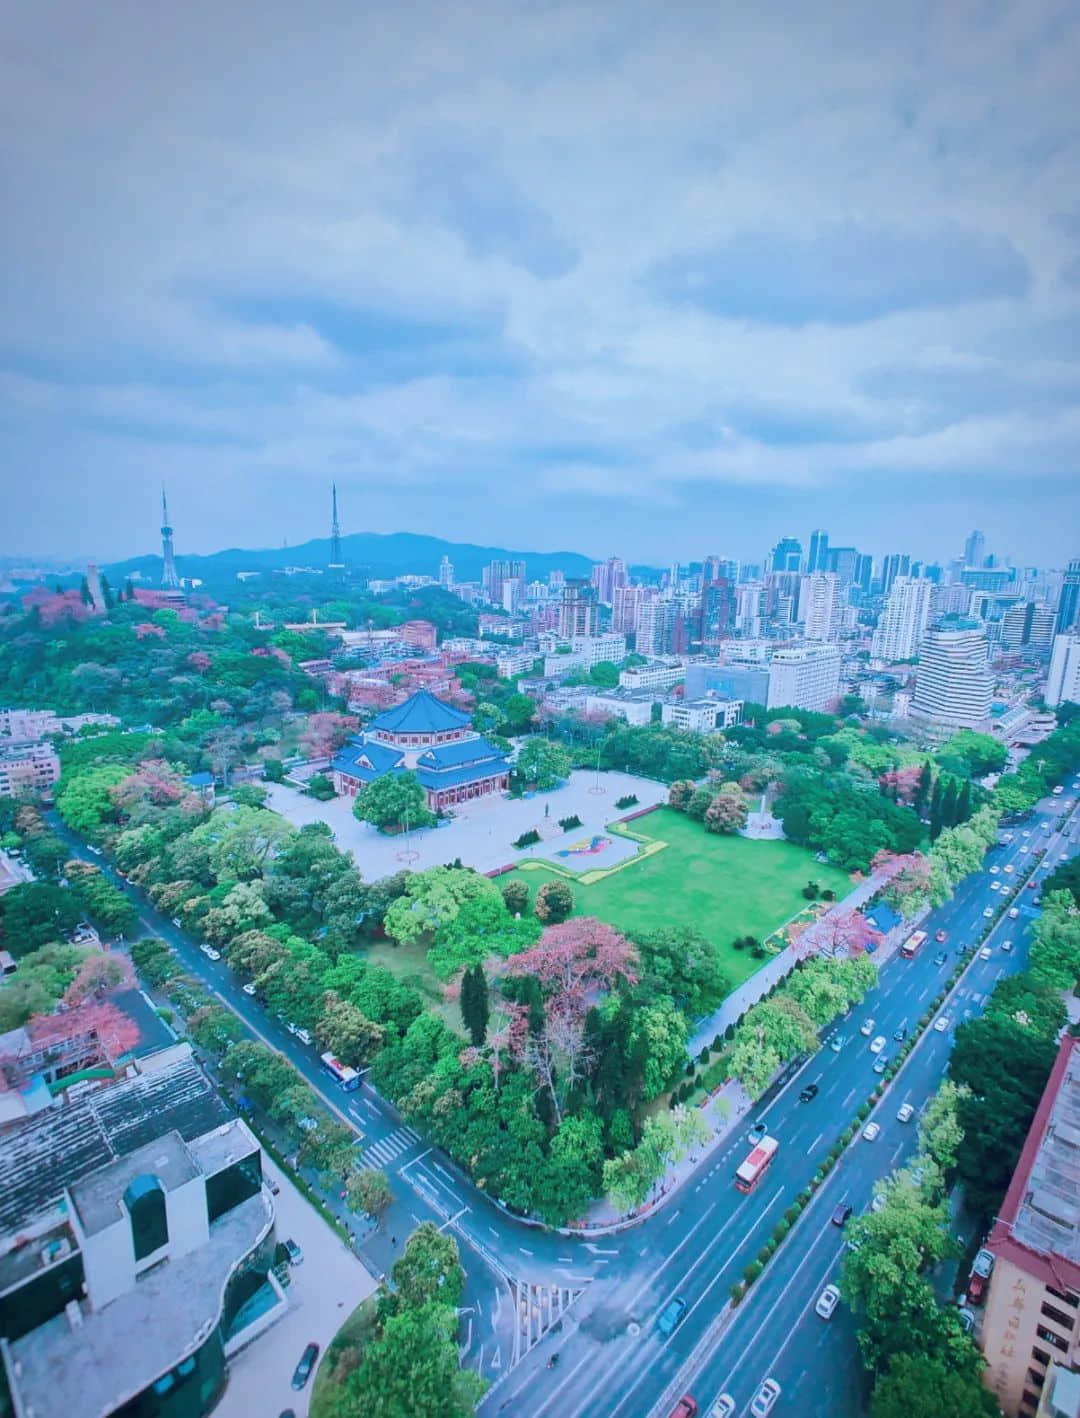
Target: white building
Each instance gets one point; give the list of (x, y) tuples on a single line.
[(27, 769), (636, 709), (819, 605), (25, 725), (1063, 681), (626, 601), (703, 716), (655, 676), (510, 663), (584, 652), (953, 686), (903, 619), (804, 677), (652, 631)]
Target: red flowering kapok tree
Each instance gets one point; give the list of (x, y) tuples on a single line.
[(573, 963), (843, 934)]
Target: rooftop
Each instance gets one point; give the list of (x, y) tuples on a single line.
[(421, 713), (98, 1198), (221, 1148)]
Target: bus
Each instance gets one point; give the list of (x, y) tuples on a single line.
[(911, 946), (756, 1165), (347, 1077)]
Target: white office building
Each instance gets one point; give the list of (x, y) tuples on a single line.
[(703, 716), (804, 677), (1063, 681), (953, 686), (819, 605), (903, 619), (659, 675)]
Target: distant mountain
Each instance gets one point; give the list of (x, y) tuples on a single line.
[(368, 553)]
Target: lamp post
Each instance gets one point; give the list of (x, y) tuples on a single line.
[(408, 855), (596, 789)]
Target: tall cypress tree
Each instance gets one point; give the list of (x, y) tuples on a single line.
[(948, 804), (935, 809), (964, 806), (926, 779), (475, 1009)]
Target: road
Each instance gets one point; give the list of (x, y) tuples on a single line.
[(697, 1247)]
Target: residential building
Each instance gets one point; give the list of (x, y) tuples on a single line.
[(703, 716), (607, 577), (578, 609), (819, 605), (27, 769), (715, 613), (804, 677), (817, 558), (903, 619), (419, 633), (659, 675), (1033, 1300), (626, 602), (953, 684), (655, 625), (634, 706), (511, 663), (434, 740), (954, 599), (30, 724), (894, 565), (1063, 679), (495, 576), (583, 652), (134, 1228), (1027, 625), (1069, 600)]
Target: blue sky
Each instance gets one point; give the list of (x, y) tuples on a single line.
[(650, 280)]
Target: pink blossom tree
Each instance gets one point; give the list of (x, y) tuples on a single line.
[(841, 934), (324, 733)]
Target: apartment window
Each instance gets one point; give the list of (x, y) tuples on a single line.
[(1040, 1356), (1036, 1378), (1073, 1300), (1058, 1316), (1049, 1337)]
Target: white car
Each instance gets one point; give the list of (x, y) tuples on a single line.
[(876, 1045), (724, 1407), (984, 954), (1014, 912), (1025, 833), (249, 989), (1006, 945), (870, 1131), (941, 1023), (764, 1401), (1008, 867), (827, 1301), (905, 1113), (178, 923), (989, 912), (995, 886), (1023, 849), (878, 1203), (867, 1028), (292, 1028), (994, 871), (303, 1036)]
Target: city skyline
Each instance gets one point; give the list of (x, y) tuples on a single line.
[(433, 276)]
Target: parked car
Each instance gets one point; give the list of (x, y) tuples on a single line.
[(994, 871), (685, 1408), (671, 1316), (249, 989), (967, 1319), (941, 1023), (841, 1212), (995, 886), (876, 1045), (292, 1028), (304, 1036), (867, 1027), (905, 1113), (178, 923), (870, 1132), (209, 951), (724, 1407), (764, 1401), (827, 1301), (809, 1093), (302, 1372), (296, 1255), (1008, 868)]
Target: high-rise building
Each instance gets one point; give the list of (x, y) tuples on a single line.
[(446, 573), (1030, 1332), (1063, 679), (337, 566), (578, 609), (953, 686), (819, 605), (607, 576), (895, 564), (495, 575), (975, 550), (653, 632), (818, 556), (804, 677), (169, 578), (715, 613), (1025, 625), (904, 617), (1069, 600), (625, 601), (786, 555)]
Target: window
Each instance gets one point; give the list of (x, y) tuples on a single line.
[(1049, 1337), (1029, 1399), (1036, 1378), (144, 1199), (1040, 1356), (1073, 1300), (1059, 1316)]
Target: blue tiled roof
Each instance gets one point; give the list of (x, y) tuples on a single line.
[(201, 780), (379, 755), (883, 917), (467, 773), (421, 713), (450, 755)]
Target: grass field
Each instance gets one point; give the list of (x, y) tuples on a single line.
[(721, 887)]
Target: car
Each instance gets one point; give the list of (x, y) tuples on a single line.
[(905, 1112), (900, 1033), (209, 951), (1008, 868), (837, 1042), (967, 1319), (941, 1023), (940, 958), (304, 1036), (878, 1202), (1058, 791), (989, 913), (876, 1045), (1006, 946), (867, 1028), (1026, 833), (1024, 850), (249, 989), (296, 1255), (809, 1093), (1014, 912), (841, 1212), (827, 1301), (1033, 885), (984, 954), (671, 1316), (178, 923), (96, 850), (994, 871), (292, 1028), (685, 1408), (756, 1133), (880, 1064), (302, 1372), (764, 1401), (995, 886), (941, 937), (870, 1132), (724, 1407)]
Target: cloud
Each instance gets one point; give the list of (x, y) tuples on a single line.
[(846, 274)]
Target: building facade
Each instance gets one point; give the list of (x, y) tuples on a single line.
[(804, 677), (1069, 600), (27, 769), (819, 605), (953, 685), (578, 609), (703, 716), (1063, 680), (903, 620)]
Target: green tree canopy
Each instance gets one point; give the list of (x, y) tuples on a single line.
[(391, 800)]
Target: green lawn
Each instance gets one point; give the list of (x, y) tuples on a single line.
[(721, 887)]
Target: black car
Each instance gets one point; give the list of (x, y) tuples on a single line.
[(841, 1214), (900, 1034), (809, 1093), (303, 1370)]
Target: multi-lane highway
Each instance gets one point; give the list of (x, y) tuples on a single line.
[(610, 1357)]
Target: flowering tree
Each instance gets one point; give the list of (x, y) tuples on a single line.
[(99, 973), (902, 785), (841, 933), (909, 888), (199, 660), (728, 810), (324, 733)]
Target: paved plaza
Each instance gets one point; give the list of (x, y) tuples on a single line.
[(482, 832)]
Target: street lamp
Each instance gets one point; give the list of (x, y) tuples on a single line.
[(596, 789)]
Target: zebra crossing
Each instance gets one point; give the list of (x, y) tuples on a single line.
[(382, 1153)]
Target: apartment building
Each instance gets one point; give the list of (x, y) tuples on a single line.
[(27, 769), (953, 686), (654, 676), (1032, 1319), (804, 677), (1063, 680), (903, 619)]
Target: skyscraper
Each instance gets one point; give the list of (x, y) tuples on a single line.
[(169, 578), (974, 550), (894, 565), (953, 687), (819, 605), (786, 555), (1063, 680), (337, 566), (715, 613), (578, 610), (607, 576), (818, 557), (1069, 600), (446, 572), (496, 574), (625, 601), (903, 619)]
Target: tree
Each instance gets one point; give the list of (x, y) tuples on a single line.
[(1065, 877), (324, 733), (240, 841), (1055, 948), (515, 894), (35, 913), (431, 900), (918, 1386), (84, 800), (728, 810), (519, 714), (542, 763), (940, 1132), (658, 1036), (572, 1174), (948, 804), (684, 965), (413, 1368), (369, 1190), (680, 793), (430, 1269), (926, 781), (700, 803), (554, 902), (392, 800), (347, 1032), (972, 754), (475, 1009)]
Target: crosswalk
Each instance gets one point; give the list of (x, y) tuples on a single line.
[(382, 1153)]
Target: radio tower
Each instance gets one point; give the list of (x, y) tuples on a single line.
[(169, 578), (336, 564)]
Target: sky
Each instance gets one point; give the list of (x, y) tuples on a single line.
[(649, 280)]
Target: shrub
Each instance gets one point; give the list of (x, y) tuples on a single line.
[(802, 1200), (729, 1033), (790, 1214), (782, 1228), (690, 1068), (864, 1111), (554, 902), (321, 787), (515, 895), (828, 894), (717, 1042), (527, 839), (569, 823), (758, 952), (629, 800), (703, 1057), (739, 943), (752, 1271), (811, 891), (274, 770), (764, 1254), (737, 1292)]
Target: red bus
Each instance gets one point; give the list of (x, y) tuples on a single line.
[(911, 946), (347, 1077), (756, 1165)]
